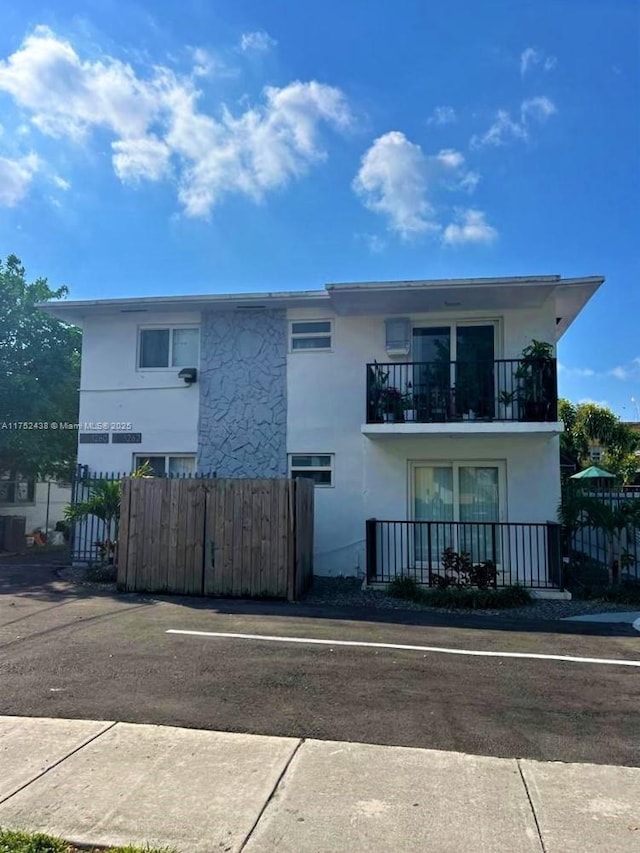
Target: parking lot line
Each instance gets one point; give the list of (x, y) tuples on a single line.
[(404, 647)]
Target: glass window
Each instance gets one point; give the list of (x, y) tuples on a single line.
[(316, 467), (311, 334), (184, 348), (181, 466), (169, 347), (154, 348), (165, 465), (15, 489)]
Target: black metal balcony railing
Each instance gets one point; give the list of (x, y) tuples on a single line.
[(526, 554), (505, 390)]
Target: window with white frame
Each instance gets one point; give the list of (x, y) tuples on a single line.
[(16, 489), (314, 466), (311, 335), (167, 465), (172, 346)]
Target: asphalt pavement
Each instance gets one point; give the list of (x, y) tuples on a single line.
[(70, 652)]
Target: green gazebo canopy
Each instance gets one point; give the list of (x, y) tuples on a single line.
[(593, 473)]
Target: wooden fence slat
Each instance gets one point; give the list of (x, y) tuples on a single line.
[(123, 533), (173, 525), (133, 549)]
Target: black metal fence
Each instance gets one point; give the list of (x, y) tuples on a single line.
[(526, 554), (593, 551), (521, 390), (88, 536)]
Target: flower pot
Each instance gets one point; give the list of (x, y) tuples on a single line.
[(389, 417), (410, 415)]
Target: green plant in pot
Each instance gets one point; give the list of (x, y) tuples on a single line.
[(536, 381), (506, 400), (378, 385), (391, 404)]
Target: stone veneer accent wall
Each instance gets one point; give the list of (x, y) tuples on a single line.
[(242, 430)]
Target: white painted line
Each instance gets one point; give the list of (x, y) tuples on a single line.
[(435, 649)]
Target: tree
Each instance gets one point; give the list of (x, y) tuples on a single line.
[(618, 523), (586, 423), (39, 378)]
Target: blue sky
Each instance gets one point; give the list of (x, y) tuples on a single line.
[(266, 144)]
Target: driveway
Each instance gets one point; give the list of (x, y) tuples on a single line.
[(72, 652)]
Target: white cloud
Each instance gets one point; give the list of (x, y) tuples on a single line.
[(158, 128), (530, 57), (16, 177), (442, 115), (257, 42), (399, 181), (61, 183), (471, 227), (145, 158), (392, 181), (504, 128), (450, 158), (67, 96)]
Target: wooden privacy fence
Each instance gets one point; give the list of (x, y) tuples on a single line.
[(242, 538)]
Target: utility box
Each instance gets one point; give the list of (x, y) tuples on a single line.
[(12, 532)]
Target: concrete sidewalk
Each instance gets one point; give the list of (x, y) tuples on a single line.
[(200, 791)]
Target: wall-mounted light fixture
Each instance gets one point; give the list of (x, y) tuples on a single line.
[(189, 374)]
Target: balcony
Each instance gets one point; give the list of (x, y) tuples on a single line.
[(464, 396)]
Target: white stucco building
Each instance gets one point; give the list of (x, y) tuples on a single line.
[(405, 401)]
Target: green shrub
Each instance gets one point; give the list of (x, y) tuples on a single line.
[(627, 592), (404, 587), (459, 599)]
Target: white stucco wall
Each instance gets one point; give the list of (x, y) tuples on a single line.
[(58, 497), (155, 402), (326, 401)]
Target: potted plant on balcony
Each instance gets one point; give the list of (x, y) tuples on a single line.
[(409, 404), (536, 378), (391, 404), (506, 400)]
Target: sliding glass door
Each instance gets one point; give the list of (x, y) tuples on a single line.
[(454, 370), (462, 501)]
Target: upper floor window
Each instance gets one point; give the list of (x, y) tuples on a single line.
[(311, 334), (168, 347)]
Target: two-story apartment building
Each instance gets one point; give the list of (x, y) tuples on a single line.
[(407, 401)]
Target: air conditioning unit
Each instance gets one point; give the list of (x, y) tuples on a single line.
[(398, 336)]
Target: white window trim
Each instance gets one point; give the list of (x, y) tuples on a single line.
[(138, 456), (171, 327), (298, 335), (456, 464), (330, 467)]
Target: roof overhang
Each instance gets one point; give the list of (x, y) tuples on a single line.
[(446, 296), (76, 312)]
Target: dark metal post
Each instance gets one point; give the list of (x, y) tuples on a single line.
[(555, 566), (371, 547)]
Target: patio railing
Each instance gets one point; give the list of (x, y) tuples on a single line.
[(526, 554), (521, 390)]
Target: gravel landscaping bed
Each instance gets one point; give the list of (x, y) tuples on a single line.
[(85, 576), (348, 592)]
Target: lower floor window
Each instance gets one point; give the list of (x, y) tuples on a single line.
[(16, 489), (166, 465), (316, 467)]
